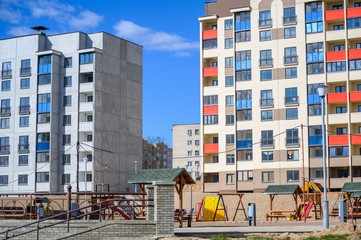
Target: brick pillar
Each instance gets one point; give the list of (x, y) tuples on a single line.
[(150, 195), (164, 208)]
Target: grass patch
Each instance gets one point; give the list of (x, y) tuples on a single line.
[(220, 238), (259, 238), (329, 237)]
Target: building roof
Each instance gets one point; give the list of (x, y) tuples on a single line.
[(282, 189), (351, 187), (147, 176)]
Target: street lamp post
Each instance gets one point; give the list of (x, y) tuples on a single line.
[(135, 172), (186, 166), (322, 89), (85, 188)]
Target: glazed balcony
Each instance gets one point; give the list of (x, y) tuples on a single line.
[(210, 72), (337, 140), (209, 34), (334, 15), (335, 56), (337, 97), (210, 148)]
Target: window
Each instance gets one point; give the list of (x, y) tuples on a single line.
[(290, 32), (293, 176), (4, 144), (315, 58), (243, 65), (230, 139), (228, 24), (337, 7), (267, 156), (4, 161), (210, 100), (265, 35), (354, 64), (292, 137), (316, 173), (25, 67), (357, 4), (67, 81), (266, 115), (229, 62), (89, 157), (230, 100), (189, 153), (23, 160), (23, 143), (291, 113), (266, 75), (339, 47), (289, 15), (228, 43), (290, 55), (293, 155), (339, 151), (244, 115), (358, 87), (341, 131), (339, 89), (6, 70), (210, 119), (244, 155), (24, 105), (338, 27), (313, 100), (210, 43), (4, 180), (353, 22), (229, 120), (196, 153), (44, 102), (23, 179), (314, 135), (43, 141), (243, 27), (189, 142), (359, 108), (66, 159), (266, 98), (342, 173), (338, 66), (314, 17), (42, 177), (214, 27), (244, 105), (89, 137), (67, 101), (230, 159), (291, 96), (265, 58), (340, 110), (68, 62), (291, 72), (245, 175), (244, 139), (230, 178), (215, 159), (268, 177), (5, 107), (89, 177), (358, 45), (42, 157), (65, 179), (43, 118), (4, 123), (267, 138), (265, 18), (25, 83), (66, 120), (196, 142), (229, 81), (44, 70), (315, 152), (86, 58), (214, 82), (5, 85), (190, 132)]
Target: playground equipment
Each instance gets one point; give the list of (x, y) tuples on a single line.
[(312, 201), (353, 199)]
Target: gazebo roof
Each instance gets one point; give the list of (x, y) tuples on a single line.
[(147, 176), (351, 187), (283, 189)]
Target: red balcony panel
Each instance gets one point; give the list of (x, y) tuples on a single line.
[(355, 96), (334, 15), (335, 56), (354, 12), (356, 139), (337, 97), (335, 140), (210, 148), (210, 72), (209, 34), (208, 110), (354, 54)]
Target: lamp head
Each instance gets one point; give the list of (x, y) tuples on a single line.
[(85, 160), (186, 166), (322, 90)]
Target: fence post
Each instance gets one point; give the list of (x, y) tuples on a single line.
[(100, 212), (31, 205), (133, 212), (150, 195), (69, 205)]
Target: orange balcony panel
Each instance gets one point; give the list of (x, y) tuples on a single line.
[(335, 56), (337, 97), (354, 54), (210, 148), (207, 110), (354, 12), (210, 72), (337, 140), (334, 15), (355, 96), (356, 139), (209, 34)]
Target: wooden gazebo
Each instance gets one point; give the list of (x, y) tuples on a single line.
[(179, 175), (353, 198)]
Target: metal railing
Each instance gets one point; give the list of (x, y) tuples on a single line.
[(266, 62), (267, 142), (290, 59), (5, 111), (4, 148), (290, 19), (265, 22), (6, 73), (266, 102), (24, 109), (292, 141), (291, 100), (23, 148), (25, 71)]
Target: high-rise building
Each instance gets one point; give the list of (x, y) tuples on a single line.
[(156, 154), (261, 64), (62, 89), (186, 148)]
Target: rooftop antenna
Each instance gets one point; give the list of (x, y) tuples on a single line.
[(40, 30)]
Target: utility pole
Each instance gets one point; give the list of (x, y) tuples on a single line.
[(303, 170), (85, 189), (77, 172)]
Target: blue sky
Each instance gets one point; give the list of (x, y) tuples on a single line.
[(168, 30)]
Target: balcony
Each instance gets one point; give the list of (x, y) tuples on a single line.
[(210, 148), (43, 146), (24, 72), (24, 148), (339, 162), (338, 182), (24, 110), (6, 73), (208, 110), (356, 139), (4, 149), (334, 15), (265, 23), (267, 143), (356, 117), (290, 60), (210, 72), (315, 140), (355, 96), (209, 34), (266, 102), (336, 140), (335, 56), (356, 160), (354, 12), (211, 187), (5, 111), (211, 167), (244, 144), (291, 100), (292, 142), (354, 54), (337, 97), (337, 118)]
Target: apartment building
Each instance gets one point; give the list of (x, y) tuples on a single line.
[(187, 148), (261, 64), (156, 155), (62, 89)]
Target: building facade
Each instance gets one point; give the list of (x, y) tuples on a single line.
[(261, 63), (156, 155), (62, 89), (186, 148)]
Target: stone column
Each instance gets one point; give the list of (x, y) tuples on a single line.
[(150, 195), (164, 208)]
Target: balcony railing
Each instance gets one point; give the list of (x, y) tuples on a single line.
[(266, 102), (25, 109), (290, 59), (292, 141), (291, 100), (266, 62), (5, 111), (267, 142), (6, 73), (4, 149), (23, 148), (26, 71), (288, 20), (265, 22)]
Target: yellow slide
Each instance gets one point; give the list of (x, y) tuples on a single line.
[(210, 208)]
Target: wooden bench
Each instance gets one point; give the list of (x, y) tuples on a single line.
[(280, 214), (12, 213), (185, 217)]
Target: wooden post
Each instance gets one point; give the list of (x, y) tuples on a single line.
[(271, 200), (180, 201), (69, 205), (303, 172), (224, 207)]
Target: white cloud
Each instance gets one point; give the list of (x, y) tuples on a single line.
[(8, 13), (152, 40), (19, 31), (49, 8), (86, 19)]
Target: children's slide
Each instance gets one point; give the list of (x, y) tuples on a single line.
[(307, 210), (124, 215)]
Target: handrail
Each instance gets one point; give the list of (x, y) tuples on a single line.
[(76, 193)]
